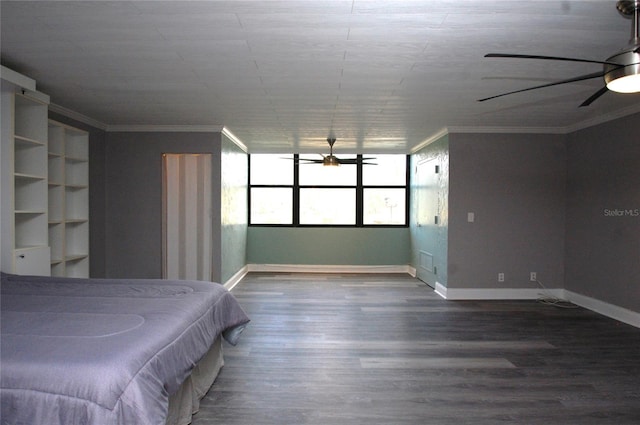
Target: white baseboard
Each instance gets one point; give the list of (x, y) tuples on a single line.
[(322, 268), (494, 293), (621, 314), (236, 278)]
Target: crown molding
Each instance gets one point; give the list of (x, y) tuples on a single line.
[(234, 139), (426, 142), (166, 128), (77, 116), (506, 130), (621, 113)]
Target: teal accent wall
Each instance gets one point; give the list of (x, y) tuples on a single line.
[(426, 235), (328, 246), (233, 208)]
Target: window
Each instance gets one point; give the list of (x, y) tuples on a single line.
[(286, 190)]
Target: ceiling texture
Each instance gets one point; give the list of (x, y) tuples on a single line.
[(283, 76)]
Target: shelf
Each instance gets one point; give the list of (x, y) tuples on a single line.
[(56, 139), (76, 257), (68, 200), (30, 193), (76, 172), (56, 204), (30, 159), (24, 176), (56, 169), (30, 120), (27, 141), (31, 229), (56, 241), (79, 267), (76, 145), (58, 269)]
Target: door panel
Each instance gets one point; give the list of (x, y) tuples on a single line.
[(187, 239), (427, 220)]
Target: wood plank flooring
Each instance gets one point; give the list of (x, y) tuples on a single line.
[(385, 349)]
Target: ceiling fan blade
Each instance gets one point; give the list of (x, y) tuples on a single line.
[(554, 58), (570, 80), (594, 96), (348, 161)]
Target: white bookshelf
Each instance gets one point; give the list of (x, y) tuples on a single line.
[(30, 176), (68, 193)]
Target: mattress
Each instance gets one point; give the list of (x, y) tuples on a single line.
[(101, 351)]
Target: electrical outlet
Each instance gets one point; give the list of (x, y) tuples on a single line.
[(533, 276), (500, 277)]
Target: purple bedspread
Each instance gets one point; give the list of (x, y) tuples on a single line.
[(100, 351)]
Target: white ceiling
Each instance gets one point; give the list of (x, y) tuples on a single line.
[(284, 75)]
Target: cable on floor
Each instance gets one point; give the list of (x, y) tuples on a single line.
[(548, 299)]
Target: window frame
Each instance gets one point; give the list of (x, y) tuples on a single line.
[(359, 188)]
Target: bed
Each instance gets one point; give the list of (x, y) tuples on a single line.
[(104, 351)]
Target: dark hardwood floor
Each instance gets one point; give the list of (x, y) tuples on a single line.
[(385, 349)]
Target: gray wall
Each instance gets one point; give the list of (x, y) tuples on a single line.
[(603, 212), (515, 186), (234, 182), (133, 222)]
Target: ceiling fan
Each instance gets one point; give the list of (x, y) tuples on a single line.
[(333, 161), (621, 72)]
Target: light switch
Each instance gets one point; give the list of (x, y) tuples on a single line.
[(471, 217)]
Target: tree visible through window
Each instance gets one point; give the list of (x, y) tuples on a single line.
[(288, 192)]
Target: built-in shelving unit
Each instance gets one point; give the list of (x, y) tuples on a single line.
[(68, 193), (30, 209)]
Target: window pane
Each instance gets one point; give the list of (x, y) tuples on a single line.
[(272, 169), (384, 206), (328, 206), (390, 171), (271, 205), (319, 175)]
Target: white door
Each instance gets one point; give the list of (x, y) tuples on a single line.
[(186, 236), (428, 220)]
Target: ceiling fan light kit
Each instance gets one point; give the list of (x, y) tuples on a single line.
[(330, 161), (625, 79)]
